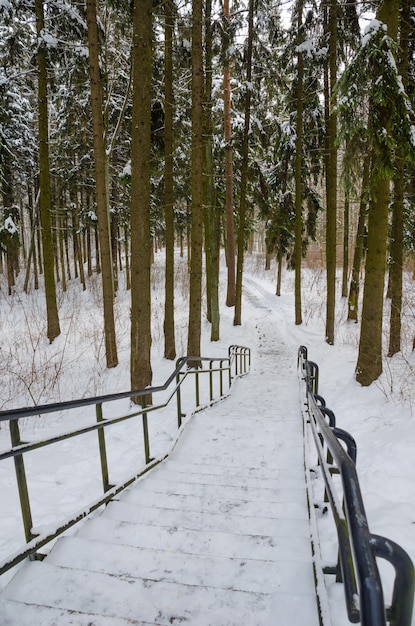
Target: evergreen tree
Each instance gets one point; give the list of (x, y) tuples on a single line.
[(101, 187), (53, 327), (396, 240), (195, 295), (169, 334), (372, 80), (140, 367)]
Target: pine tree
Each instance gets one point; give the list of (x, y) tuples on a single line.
[(396, 240), (53, 327), (140, 366), (195, 296), (372, 80), (169, 334), (101, 187)]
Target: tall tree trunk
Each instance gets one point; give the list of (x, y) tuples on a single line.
[(244, 170), (353, 302), (331, 177), (230, 227), (195, 301), (396, 244), (212, 217), (53, 328), (369, 362), (141, 373), (298, 241), (101, 187), (169, 334)]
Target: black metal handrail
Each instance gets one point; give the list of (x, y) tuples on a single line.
[(357, 547), (227, 370)]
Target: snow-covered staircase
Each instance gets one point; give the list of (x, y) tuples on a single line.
[(216, 535)]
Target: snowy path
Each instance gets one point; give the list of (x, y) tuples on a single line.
[(217, 535)]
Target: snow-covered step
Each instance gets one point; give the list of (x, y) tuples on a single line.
[(294, 510), (126, 597), (192, 520), (224, 492), (212, 543), (223, 473), (251, 575)]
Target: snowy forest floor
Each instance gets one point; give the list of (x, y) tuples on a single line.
[(379, 417)]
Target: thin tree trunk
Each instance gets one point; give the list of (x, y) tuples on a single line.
[(169, 334), (89, 250), (237, 320), (195, 300), (353, 303), (331, 177), (230, 227), (298, 243), (12, 242), (77, 242), (396, 245), (101, 187), (53, 328), (141, 245), (346, 226), (127, 261), (212, 220), (62, 252), (279, 273)]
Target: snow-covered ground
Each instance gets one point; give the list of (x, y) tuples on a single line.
[(66, 477)]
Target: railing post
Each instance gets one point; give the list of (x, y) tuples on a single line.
[(210, 381), (21, 482), (230, 365), (102, 449), (145, 431), (179, 401), (197, 388)]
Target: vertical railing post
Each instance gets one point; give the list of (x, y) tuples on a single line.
[(210, 381), (145, 430), (21, 482), (221, 378), (230, 365), (102, 449), (197, 390), (179, 400)]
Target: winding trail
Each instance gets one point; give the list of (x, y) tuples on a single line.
[(217, 535)]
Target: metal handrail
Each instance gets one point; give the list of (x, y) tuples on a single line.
[(235, 365), (358, 548)]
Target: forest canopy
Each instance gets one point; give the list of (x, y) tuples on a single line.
[(128, 127)]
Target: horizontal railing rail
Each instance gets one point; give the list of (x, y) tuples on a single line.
[(213, 379), (358, 548)]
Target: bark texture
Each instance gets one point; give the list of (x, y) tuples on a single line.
[(101, 187), (195, 300), (140, 366), (53, 327)]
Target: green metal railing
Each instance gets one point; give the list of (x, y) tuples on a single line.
[(213, 379)]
